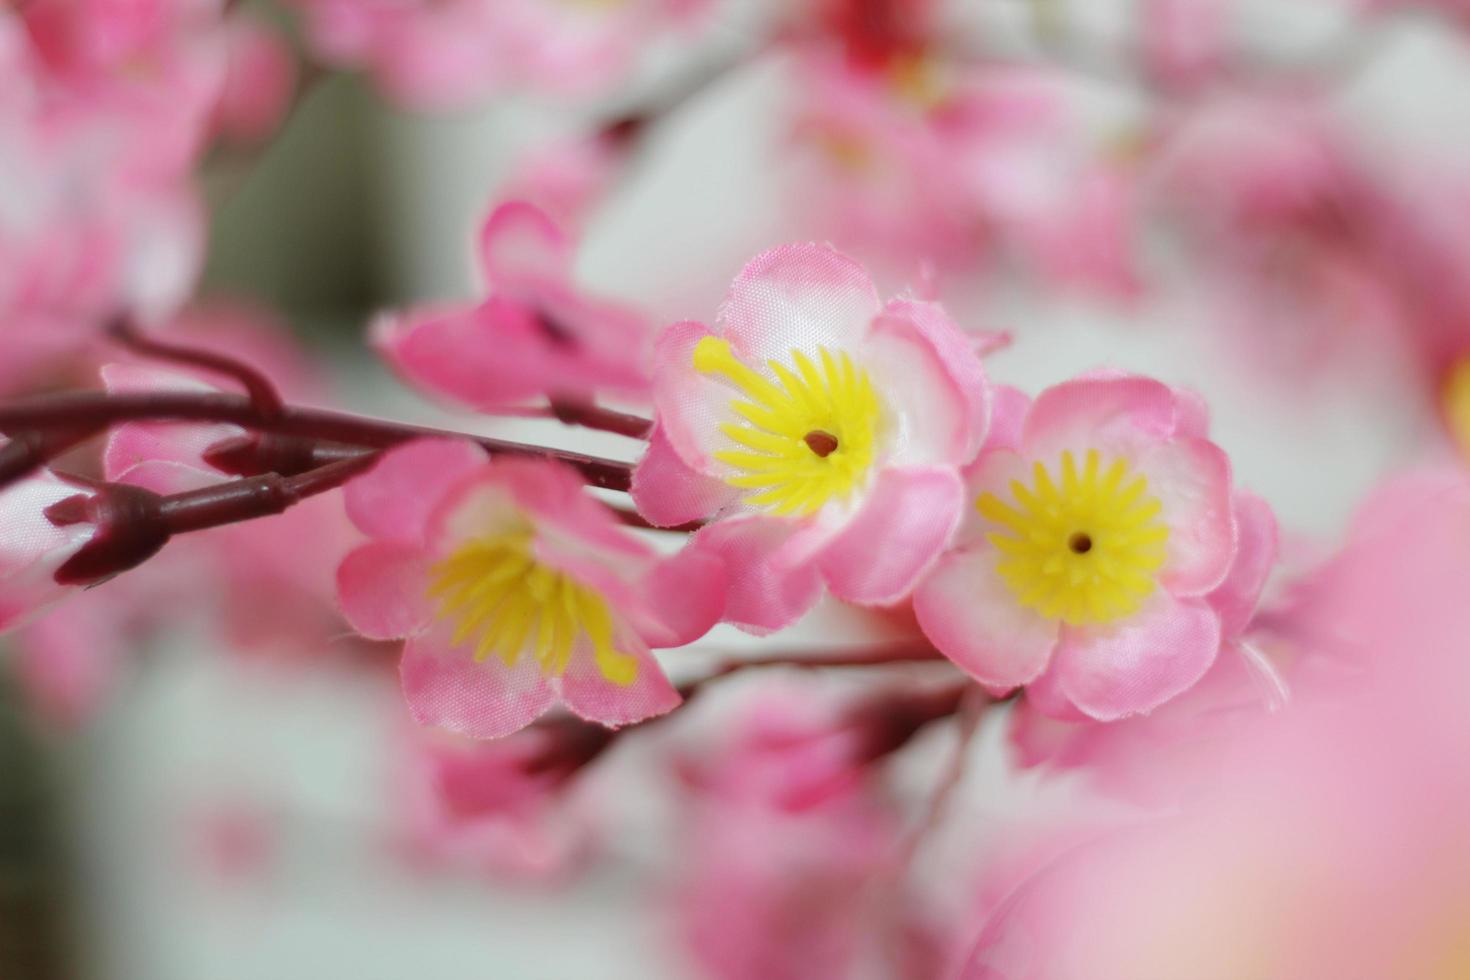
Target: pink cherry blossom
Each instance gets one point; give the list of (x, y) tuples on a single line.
[(1094, 539), (1292, 215), (535, 335), (952, 164), (1150, 756), (258, 85), (447, 54), (1324, 842), (567, 178), (515, 590), (781, 865), (33, 549), (822, 427), (499, 807)]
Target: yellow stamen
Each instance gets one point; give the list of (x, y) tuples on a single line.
[(1082, 547), (811, 430), (495, 592)]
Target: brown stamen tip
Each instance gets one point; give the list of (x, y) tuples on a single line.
[(824, 444), (1080, 543)]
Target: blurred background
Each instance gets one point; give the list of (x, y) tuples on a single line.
[(234, 818)]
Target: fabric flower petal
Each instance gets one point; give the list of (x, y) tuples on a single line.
[(764, 594), (619, 700), (799, 296), (1255, 554), (393, 500), (971, 615), (667, 492), (1138, 664), (691, 406), (1117, 415), (1191, 479), (920, 361), (381, 588), (446, 688), (914, 512), (480, 356), (519, 243), (686, 594)]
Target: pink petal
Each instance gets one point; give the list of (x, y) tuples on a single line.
[(933, 382), (1255, 555), (798, 297), (690, 406), (902, 527), (485, 357), (519, 243), (571, 525), (764, 595), (992, 472), (1135, 666), (382, 588), (138, 442), (686, 593), (166, 477), (592, 696), (969, 613), (667, 492), (1008, 409), (393, 500), (1118, 415), (1191, 479), (32, 548), (446, 688)]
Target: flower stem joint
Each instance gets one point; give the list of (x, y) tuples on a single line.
[(131, 528)]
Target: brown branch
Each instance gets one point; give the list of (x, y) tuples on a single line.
[(93, 412), (262, 391)]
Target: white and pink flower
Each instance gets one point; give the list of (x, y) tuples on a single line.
[(1100, 530), (823, 429), (536, 335), (515, 590)]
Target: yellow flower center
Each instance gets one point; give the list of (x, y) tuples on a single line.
[(497, 594), (1082, 548), (809, 436), (1455, 397)]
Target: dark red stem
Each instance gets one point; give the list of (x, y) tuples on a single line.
[(93, 412), (262, 391)]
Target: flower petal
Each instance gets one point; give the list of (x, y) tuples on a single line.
[(933, 382), (799, 296), (1191, 478), (668, 492), (900, 530), (1135, 666), (764, 594), (1120, 415), (138, 442), (590, 694), (446, 688), (690, 406), (971, 615), (484, 357), (393, 500), (382, 588), (519, 243), (686, 593), (1255, 555)]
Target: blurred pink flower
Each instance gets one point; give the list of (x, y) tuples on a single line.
[(1325, 841), (1100, 523), (425, 54), (33, 549), (499, 807), (259, 82), (784, 866), (940, 161), (824, 429), (515, 590), (536, 334), (567, 178)]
